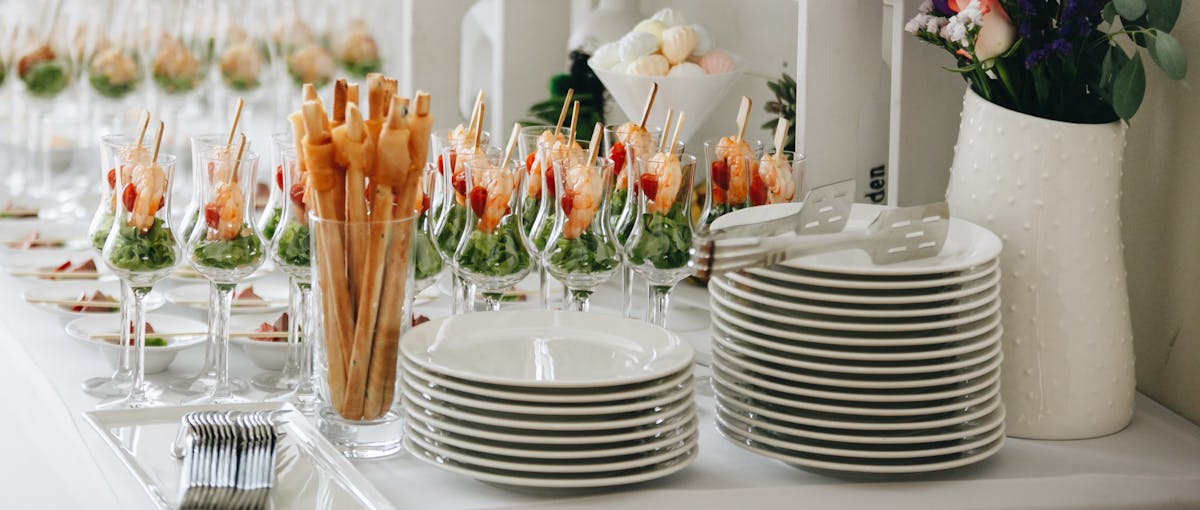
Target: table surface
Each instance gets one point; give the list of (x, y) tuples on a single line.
[(51, 458)]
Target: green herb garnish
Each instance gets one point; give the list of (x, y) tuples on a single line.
[(244, 250), (664, 240), (46, 79), (362, 68), (294, 249), (156, 342), (135, 251), (499, 253), (587, 253), (104, 87), (241, 83), (272, 223), (176, 84)]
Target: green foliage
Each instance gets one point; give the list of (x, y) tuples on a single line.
[(427, 263), (135, 251), (588, 253), (588, 91), (498, 253), (268, 230), (784, 105), (294, 249), (46, 79), (664, 240), (242, 251)]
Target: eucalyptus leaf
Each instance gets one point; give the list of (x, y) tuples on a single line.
[(1163, 14), (1130, 9), (1168, 54), (1109, 13), (1129, 88)]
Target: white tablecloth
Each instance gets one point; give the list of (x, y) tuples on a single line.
[(51, 458)]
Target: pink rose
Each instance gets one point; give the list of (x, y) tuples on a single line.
[(996, 35)]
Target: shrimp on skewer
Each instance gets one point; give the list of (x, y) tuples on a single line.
[(144, 195), (773, 182), (223, 215), (631, 140), (581, 199), (739, 163), (661, 182), (489, 198)]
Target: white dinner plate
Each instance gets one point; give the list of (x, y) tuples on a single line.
[(61, 235), (273, 292), (414, 381), (683, 405), (801, 405), (900, 297), (967, 245), (549, 481), (567, 466), (39, 264), (751, 355), (733, 364), (556, 396), (795, 321), (549, 349), (570, 452), (906, 339), (71, 290), (951, 433), (781, 276), (740, 403), (718, 284), (846, 465), (158, 359)]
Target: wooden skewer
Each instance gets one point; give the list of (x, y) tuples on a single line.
[(158, 143), (142, 131), (74, 302), (245, 303), (780, 134), (474, 123), (237, 163), (742, 118), (176, 334), (53, 275), (479, 128), (594, 144), (662, 141), (574, 120), (649, 104), (512, 143), (675, 136), (237, 116), (562, 114)]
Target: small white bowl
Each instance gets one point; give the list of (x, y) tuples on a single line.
[(265, 355), (157, 358)]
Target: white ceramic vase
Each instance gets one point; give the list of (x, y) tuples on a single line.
[(1051, 191)]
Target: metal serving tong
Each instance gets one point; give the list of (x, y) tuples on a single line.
[(825, 210), (228, 458), (896, 235)]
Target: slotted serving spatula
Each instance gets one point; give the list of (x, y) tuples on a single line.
[(896, 235), (825, 210)]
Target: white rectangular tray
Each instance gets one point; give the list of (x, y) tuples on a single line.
[(309, 471)]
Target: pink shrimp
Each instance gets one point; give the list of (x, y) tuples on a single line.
[(661, 182), (580, 199), (776, 176), (148, 184), (490, 199), (740, 161)]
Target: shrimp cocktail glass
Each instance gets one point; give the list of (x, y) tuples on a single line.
[(116, 153), (623, 144), (779, 179), (141, 250), (662, 231), (268, 222), (225, 247), (426, 260), (581, 252), (451, 218), (243, 55), (732, 164), (490, 254), (179, 63)]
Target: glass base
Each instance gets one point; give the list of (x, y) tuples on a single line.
[(382, 437), (214, 399), (702, 385), (306, 403), (203, 384), (129, 402), (109, 387), (274, 382)]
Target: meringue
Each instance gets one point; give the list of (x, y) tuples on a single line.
[(606, 56), (704, 40), (651, 27), (717, 62), (649, 65), (677, 43), (669, 17), (686, 69), (636, 44)]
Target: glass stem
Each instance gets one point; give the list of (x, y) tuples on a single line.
[(291, 369), (209, 369), (222, 388), (491, 301), (566, 298), (543, 287), (456, 294), (125, 368), (137, 390), (580, 299), (468, 297), (626, 290), (305, 386), (659, 297)]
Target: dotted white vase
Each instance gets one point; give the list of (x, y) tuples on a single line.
[(1051, 191)]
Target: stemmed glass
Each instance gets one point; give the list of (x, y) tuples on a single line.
[(281, 144), (291, 252), (779, 178), (623, 148), (243, 54), (113, 65), (141, 250), (490, 254), (427, 262), (179, 56), (225, 247), (662, 230), (452, 217), (581, 252), (731, 167), (356, 49), (537, 211)]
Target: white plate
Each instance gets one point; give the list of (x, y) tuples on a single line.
[(567, 466), (69, 235), (544, 481), (682, 406), (44, 261), (158, 359), (265, 355), (844, 465), (956, 432), (782, 276), (70, 291), (562, 396), (537, 451), (990, 278), (717, 284), (745, 379), (546, 349), (858, 367), (891, 340), (415, 411), (273, 292), (730, 363), (967, 245), (768, 345), (309, 472), (413, 380), (982, 311)]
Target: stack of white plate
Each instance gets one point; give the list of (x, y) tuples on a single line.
[(832, 363), (551, 400)]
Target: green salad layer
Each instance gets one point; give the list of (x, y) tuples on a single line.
[(294, 249), (362, 68), (101, 233), (244, 250), (427, 263), (176, 84), (268, 229), (499, 253), (665, 239), (46, 79), (136, 251), (588, 253), (106, 88), (447, 239), (621, 230)]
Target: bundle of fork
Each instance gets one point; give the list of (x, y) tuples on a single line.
[(228, 458)]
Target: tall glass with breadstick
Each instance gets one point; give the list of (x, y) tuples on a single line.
[(225, 247), (141, 249), (362, 274)]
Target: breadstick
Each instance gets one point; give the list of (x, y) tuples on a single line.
[(375, 108), (323, 182), (420, 124), (339, 103)]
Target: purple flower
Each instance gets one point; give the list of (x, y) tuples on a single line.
[(942, 7)]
